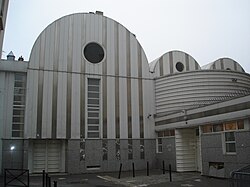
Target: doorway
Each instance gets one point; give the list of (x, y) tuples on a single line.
[(187, 143), (47, 155)]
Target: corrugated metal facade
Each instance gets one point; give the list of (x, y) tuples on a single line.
[(57, 75), (185, 87), (195, 89), (224, 64), (166, 64)]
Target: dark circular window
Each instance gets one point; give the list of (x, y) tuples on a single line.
[(93, 52), (179, 66)]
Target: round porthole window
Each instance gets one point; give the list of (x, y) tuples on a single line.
[(93, 52), (179, 66)]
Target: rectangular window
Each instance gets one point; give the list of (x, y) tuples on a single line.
[(230, 142), (172, 132), (166, 133), (217, 127), (207, 128), (159, 145), (160, 134), (18, 105), (230, 126), (240, 124), (93, 108)]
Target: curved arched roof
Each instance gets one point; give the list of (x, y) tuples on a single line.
[(60, 45), (170, 63), (224, 64)]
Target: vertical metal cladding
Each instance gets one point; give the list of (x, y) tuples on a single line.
[(104, 82), (140, 91), (69, 79), (167, 63), (235, 66), (40, 87), (222, 64), (129, 112), (187, 62), (124, 66), (171, 62), (55, 83), (161, 66), (117, 105), (82, 84)]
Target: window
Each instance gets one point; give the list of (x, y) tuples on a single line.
[(166, 133), (93, 52), (240, 124), (228, 130), (217, 127), (93, 108), (161, 135), (159, 145), (230, 142), (230, 126), (207, 128), (18, 105), (179, 66)]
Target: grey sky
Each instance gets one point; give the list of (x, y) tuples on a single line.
[(205, 29)]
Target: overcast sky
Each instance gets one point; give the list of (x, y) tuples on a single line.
[(205, 29)]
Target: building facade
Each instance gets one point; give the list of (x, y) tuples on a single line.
[(88, 100), (3, 15)]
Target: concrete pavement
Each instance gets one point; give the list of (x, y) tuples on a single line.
[(188, 179), (156, 178)]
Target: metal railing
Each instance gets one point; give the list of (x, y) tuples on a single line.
[(241, 177)]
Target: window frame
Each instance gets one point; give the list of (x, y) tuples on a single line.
[(93, 128), (225, 142), (19, 99), (158, 145)]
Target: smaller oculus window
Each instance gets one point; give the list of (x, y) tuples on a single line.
[(179, 66), (93, 52)]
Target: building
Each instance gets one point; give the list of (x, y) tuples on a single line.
[(3, 14), (88, 100)]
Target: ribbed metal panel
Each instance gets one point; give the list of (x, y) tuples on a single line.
[(198, 88), (224, 64), (167, 64), (58, 72)]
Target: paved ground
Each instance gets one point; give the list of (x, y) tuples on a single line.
[(156, 178)]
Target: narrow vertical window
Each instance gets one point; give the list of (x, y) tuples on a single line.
[(159, 145), (19, 106), (93, 108), (230, 142)]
